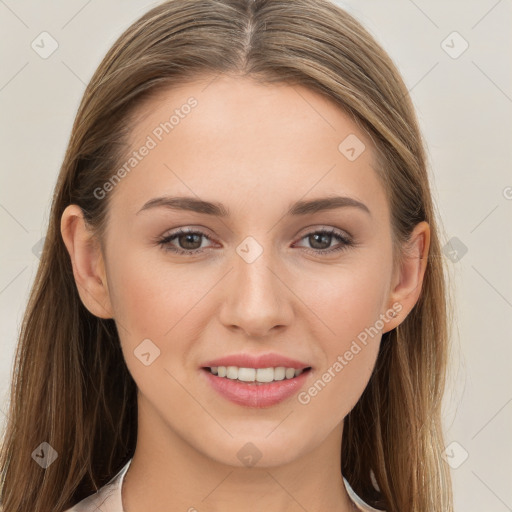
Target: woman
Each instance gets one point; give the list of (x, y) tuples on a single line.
[(240, 301)]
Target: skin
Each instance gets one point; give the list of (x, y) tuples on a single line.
[(256, 149)]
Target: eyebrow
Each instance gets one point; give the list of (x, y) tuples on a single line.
[(217, 209)]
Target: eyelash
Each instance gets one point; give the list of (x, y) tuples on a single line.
[(165, 241)]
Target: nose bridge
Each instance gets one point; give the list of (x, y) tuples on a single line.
[(256, 298), (253, 274)]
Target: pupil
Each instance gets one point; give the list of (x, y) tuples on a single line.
[(325, 236), (187, 239)]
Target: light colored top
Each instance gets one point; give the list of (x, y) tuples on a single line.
[(108, 497)]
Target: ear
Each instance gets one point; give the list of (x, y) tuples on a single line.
[(408, 280), (87, 261)]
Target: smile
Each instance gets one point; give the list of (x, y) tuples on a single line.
[(258, 375)]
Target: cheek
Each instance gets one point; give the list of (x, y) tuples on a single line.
[(346, 299), (154, 301), (149, 297), (347, 302)]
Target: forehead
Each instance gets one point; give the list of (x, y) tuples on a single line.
[(231, 139)]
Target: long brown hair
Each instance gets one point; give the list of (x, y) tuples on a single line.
[(70, 385)]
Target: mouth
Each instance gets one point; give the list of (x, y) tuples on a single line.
[(256, 376), (256, 380)]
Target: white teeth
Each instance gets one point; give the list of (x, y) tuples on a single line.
[(255, 374), (246, 374), (279, 373), (232, 372)]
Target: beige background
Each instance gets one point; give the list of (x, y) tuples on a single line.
[(464, 102)]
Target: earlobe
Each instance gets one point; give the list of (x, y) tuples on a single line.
[(409, 281), (87, 262)]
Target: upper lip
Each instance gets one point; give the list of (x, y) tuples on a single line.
[(267, 360)]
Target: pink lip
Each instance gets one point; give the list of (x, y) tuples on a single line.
[(252, 394), (262, 361)]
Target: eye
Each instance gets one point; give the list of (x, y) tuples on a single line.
[(186, 237), (322, 238), (190, 241)]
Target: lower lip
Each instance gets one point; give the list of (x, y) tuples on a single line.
[(255, 395)]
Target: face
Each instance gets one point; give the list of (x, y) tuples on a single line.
[(267, 277)]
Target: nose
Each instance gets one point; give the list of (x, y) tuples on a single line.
[(256, 297)]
